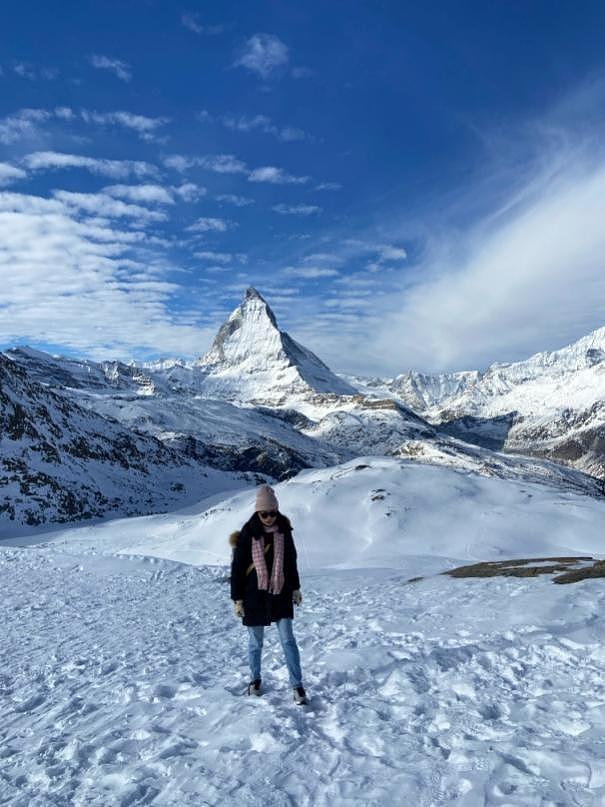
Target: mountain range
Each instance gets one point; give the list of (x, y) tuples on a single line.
[(84, 439)]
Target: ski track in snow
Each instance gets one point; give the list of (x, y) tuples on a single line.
[(122, 676)]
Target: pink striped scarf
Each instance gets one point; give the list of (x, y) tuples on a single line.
[(258, 558)]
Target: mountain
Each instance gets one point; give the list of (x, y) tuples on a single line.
[(252, 361), (82, 439), (550, 405), (63, 462)]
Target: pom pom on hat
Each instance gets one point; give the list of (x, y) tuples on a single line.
[(266, 499)]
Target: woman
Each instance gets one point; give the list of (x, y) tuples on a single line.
[(264, 584)]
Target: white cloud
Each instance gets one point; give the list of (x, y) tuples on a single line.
[(101, 204), (323, 257), (391, 253), (179, 162), (528, 279), (219, 163), (286, 134), (263, 54), (233, 199), (25, 71), (217, 257), (189, 191), (33, 73), (309, 272), (291, 133), (118, 169), (23, 123), (223, 164), (208, 224), (9, 174), (27, 122), (192, 22), (148, 194), (85, 285), (296, 210), (328, 186), (64, 112), (144, 126), (121, 69), (275, 176)]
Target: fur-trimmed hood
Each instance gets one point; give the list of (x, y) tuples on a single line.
[(234, 537)]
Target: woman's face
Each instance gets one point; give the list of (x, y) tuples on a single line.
[(267, 517)]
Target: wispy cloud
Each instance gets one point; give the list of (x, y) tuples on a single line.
[(526, 278), (275, 176), (189, 191), (147, 194), (144, 126), (219, 163), (118, 169), (207, 224), (263, 54), (121, 69), (223, 164), (328, 186), (323, 257), (102, 204), (260, 123), (234, 199), (296, 210), (32, 72), (229, 164), (27, 123), (10, 173), (193, 22), (386, 254), (82, 284), (215, 257), (222, 258), (310, 272), (21, 124)]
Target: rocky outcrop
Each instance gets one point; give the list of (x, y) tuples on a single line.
[(60, 462)]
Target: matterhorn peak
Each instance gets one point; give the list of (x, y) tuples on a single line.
[(252, 361)]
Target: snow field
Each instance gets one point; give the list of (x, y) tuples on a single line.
[(121, 680)]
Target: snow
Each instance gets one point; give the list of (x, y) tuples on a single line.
[(123, 665), (251, 360)]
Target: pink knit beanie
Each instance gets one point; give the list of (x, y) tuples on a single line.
[(266, 499)]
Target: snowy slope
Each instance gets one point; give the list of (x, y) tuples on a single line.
[(551, 405), (122, 674), (378, 511), (60, 462)]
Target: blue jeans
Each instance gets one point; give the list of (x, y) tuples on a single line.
[(289, 646)]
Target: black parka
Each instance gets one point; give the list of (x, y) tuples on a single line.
[(260, 607)]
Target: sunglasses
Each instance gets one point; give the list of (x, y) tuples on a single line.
[(267, 513)]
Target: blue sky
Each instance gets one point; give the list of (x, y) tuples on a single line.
[(408, 185)]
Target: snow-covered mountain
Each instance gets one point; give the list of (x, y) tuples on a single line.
[(550, 405), (252, 361), (63, 462), (258, 402)]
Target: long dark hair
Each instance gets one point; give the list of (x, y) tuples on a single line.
[(255, 525)]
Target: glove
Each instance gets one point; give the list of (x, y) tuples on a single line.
[(297, 597), (238, 608)]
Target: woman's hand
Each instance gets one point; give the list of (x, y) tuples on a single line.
[(297, 597), (238, 608)]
